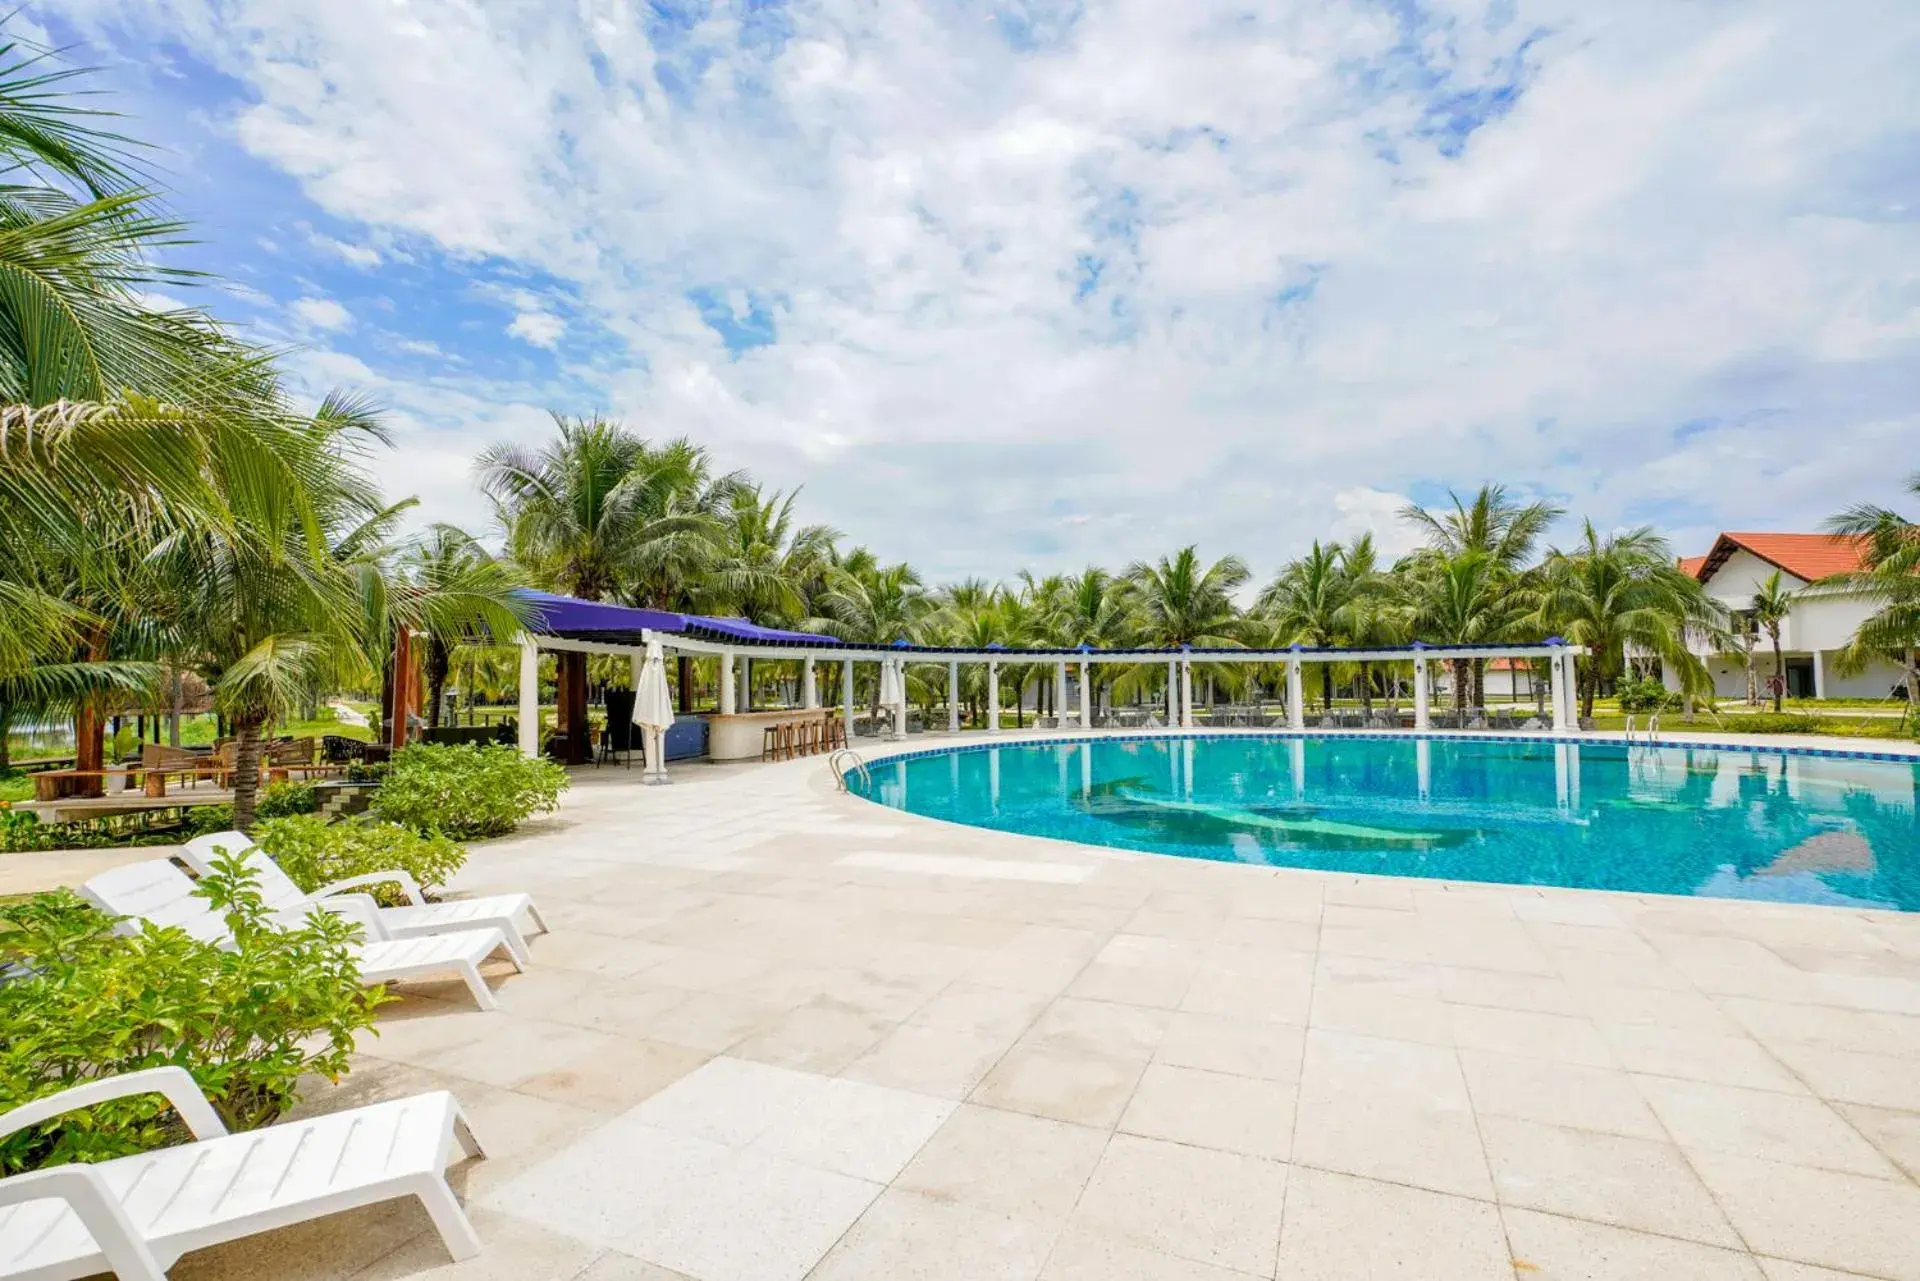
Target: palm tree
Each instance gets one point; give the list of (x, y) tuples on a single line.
[(761, 561), (1620, 593), (1888, 578), (1180, 602), (1493, 524), (568, 509), (1772, 602), (446, 583), (1308, 604), (1462, 599)]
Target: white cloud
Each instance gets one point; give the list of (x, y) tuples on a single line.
[(1200, 271), (321, 313), (358, 255), (540, 328)]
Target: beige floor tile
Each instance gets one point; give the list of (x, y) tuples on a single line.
[(1895, 1134), (1547, 1247), (930, 1060), (814, 1038), (1241, 1047), (597, 953), (1074, 1026), (1018, 971), (613, 1077), (1583, 1098), (1339, 1228), (1828, 1026), (614, 1266), (1133, 984), (330, 1249), (984, 1011), (513, 1250), (1790, 1128), (1624, 1004), (1342, 1065), (1283, 996), (1783, 1270), (1211, 1207), (1081, 1256), (1543, 994), (1630, 1183), (1007, 1162), (905, 1236), (711, 1021), (1834, 1220), (1344, 1008), (1213, 1110), (1847, 1076), (1081, 1088), (1426, 1147), (1529, 1034), (1378, 974), (1698, 1056)]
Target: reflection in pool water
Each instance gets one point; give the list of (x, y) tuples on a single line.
[(1719, 821)]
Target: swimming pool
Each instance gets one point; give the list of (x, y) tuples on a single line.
[(1728, 822)]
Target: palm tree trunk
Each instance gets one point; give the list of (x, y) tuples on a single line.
[(1366, 690), (6, 732), (1326, 687), (439, 660), (246, 769), (1913, 681), (1460, 681), (1779, 670)]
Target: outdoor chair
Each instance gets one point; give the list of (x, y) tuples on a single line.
[(512, 914), (160, 893), (338, 750), (134, 1216)]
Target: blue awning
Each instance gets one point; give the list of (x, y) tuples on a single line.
[(569, 616)]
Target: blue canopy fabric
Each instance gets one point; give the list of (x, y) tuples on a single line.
[(571, 616)]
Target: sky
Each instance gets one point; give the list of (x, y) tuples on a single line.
[(1043, 283)]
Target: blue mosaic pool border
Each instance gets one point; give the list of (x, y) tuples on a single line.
[(1107, 736)]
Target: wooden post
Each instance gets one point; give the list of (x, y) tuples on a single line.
[(401, 685)]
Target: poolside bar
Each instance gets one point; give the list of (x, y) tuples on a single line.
[(736, 731)]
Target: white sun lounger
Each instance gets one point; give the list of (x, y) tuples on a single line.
[(135, 1215), (158, 891), (504, 912)]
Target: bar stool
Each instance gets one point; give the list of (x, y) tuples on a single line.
[(786, 740), (770, 743), (836, 733), (803, 737)]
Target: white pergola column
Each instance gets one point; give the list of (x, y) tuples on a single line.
[(953, 698), (745, 701), (1060, 694), (1086, 695), (726, 684), (529, 697), (1423, 766), (1422, 695), (1819, 676), (1562, 670), (1296, 702), (809, 685), (993, 698), (1173, 694), (900, 708), (846, 698), (1186, 694)]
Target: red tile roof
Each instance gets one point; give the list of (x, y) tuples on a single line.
[(1807, 556)]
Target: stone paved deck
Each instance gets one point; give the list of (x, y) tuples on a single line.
[(780, 1033)]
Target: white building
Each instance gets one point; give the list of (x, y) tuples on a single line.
[(1732, 573)]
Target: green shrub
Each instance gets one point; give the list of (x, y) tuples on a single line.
[(315, 853), (20, 831), (247, 1022), (1771, 723), (467, 792), (1645, 696), (277, 800)]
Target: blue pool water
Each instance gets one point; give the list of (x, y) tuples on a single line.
[(1717, 821)]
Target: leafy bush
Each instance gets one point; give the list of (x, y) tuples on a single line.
[(467, 792), (1645, 696), (1771, 723), (288, 796), (247, 1022), (20, 831), (315, 853)]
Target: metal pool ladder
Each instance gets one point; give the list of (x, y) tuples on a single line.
[(840, 771), (1650, 734)]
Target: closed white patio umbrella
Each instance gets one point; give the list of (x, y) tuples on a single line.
[(653, 711), (893, 694)]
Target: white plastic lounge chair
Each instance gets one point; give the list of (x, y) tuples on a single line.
[(504, 912), (158, 891), (135, 1215)]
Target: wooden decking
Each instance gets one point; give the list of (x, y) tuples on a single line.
[(72, 809)]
